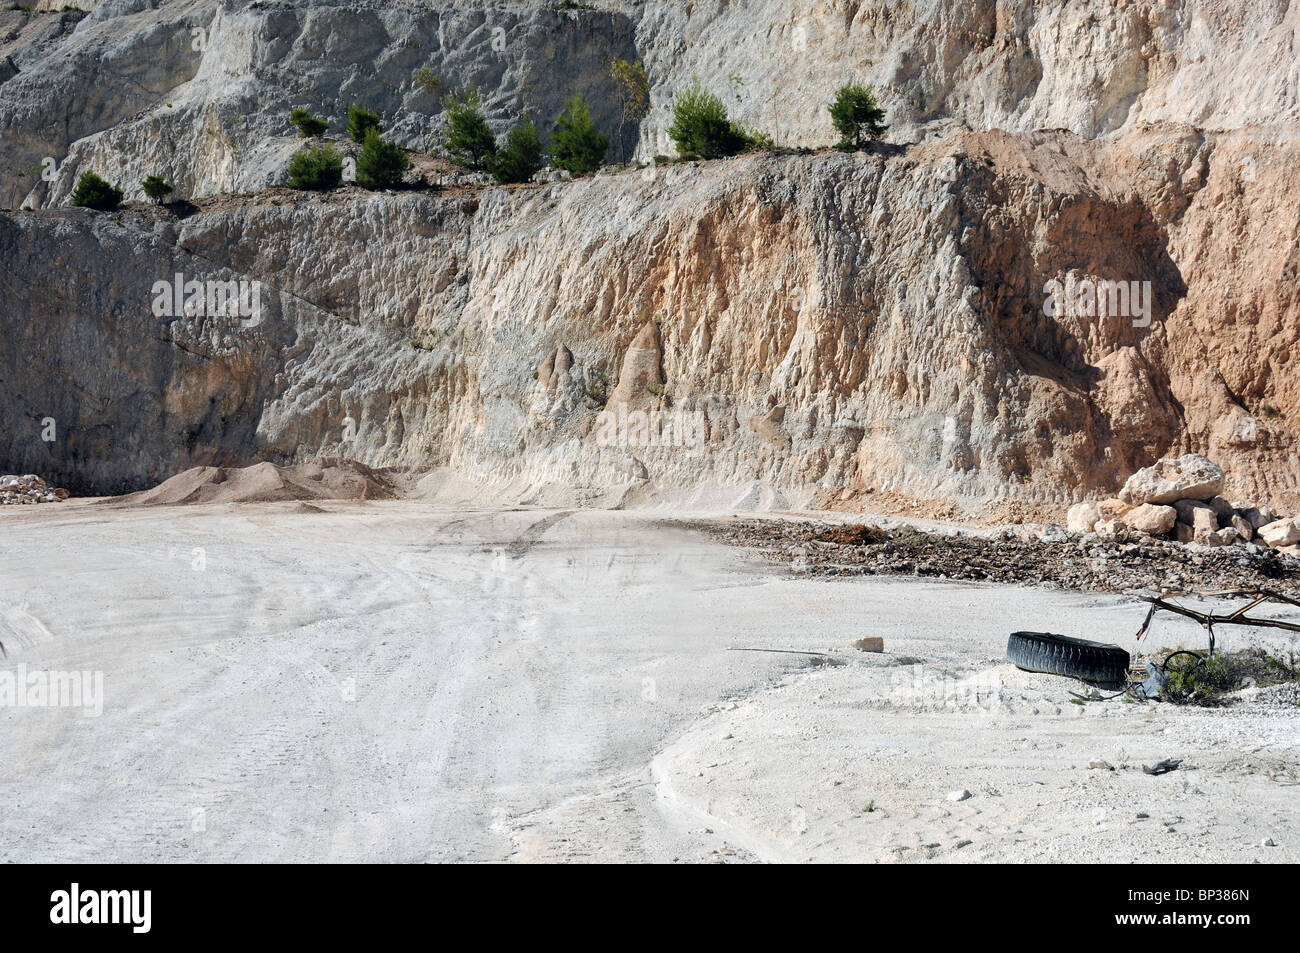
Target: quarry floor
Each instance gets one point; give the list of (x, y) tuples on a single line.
[(392, 681)]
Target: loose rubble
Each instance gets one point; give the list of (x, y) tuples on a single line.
[(1124, 562), (1178, 498), (1167, 530), (28, 488)]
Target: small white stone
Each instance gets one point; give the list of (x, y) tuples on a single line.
[(961, 795)]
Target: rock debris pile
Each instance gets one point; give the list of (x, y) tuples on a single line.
[(28, 488), (1178, 498)]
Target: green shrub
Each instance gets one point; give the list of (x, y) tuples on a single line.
[(360, 121), (576, 145), (428, 80), (756, 141), (156, 188), (319, 169), (469, 140), (700, 125), (381, 164), (308, 125), (521, 158), (857, 116), (94, 192)]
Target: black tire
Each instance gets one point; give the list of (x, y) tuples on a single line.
[(1073, 658)]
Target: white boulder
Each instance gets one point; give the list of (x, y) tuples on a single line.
[(1280, 533), (1082, 517), (1189, 477), (1151, 518)]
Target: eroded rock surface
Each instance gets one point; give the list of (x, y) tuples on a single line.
[(841, 322)]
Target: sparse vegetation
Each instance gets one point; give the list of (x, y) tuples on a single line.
[(577, 146), (469, 140), (96, 193), (756, 141), (318, 169), (598, 390), (360, 121), (156, 188), (521, 158), (701, 128), (857, 116), (308, 125), (1288, 668), (1205, 680), (428, 80), (381, 164), (1268, 410)]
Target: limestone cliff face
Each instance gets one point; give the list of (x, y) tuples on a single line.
[(835, 321), (1090, 66), (838, 320), (199, 91)]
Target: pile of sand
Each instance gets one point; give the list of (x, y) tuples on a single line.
[(320, 479)]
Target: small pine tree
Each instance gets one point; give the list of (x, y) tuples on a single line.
[(521, 158), (94, 192), (319, 169), (857, 116), (469, 140), (576, 145), (700, 125), (633, 93), (156, 188), (381, 164), (428, 80), (360, 121), (308, 125)]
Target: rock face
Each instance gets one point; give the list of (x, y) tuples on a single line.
[(641, 377), (873, 320), (208, 110), (1189, 477), (208, 84)]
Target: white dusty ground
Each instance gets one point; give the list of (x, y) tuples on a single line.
[(392, 681)]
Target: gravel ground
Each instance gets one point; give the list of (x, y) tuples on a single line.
[(391, 681), (1069, 561)]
